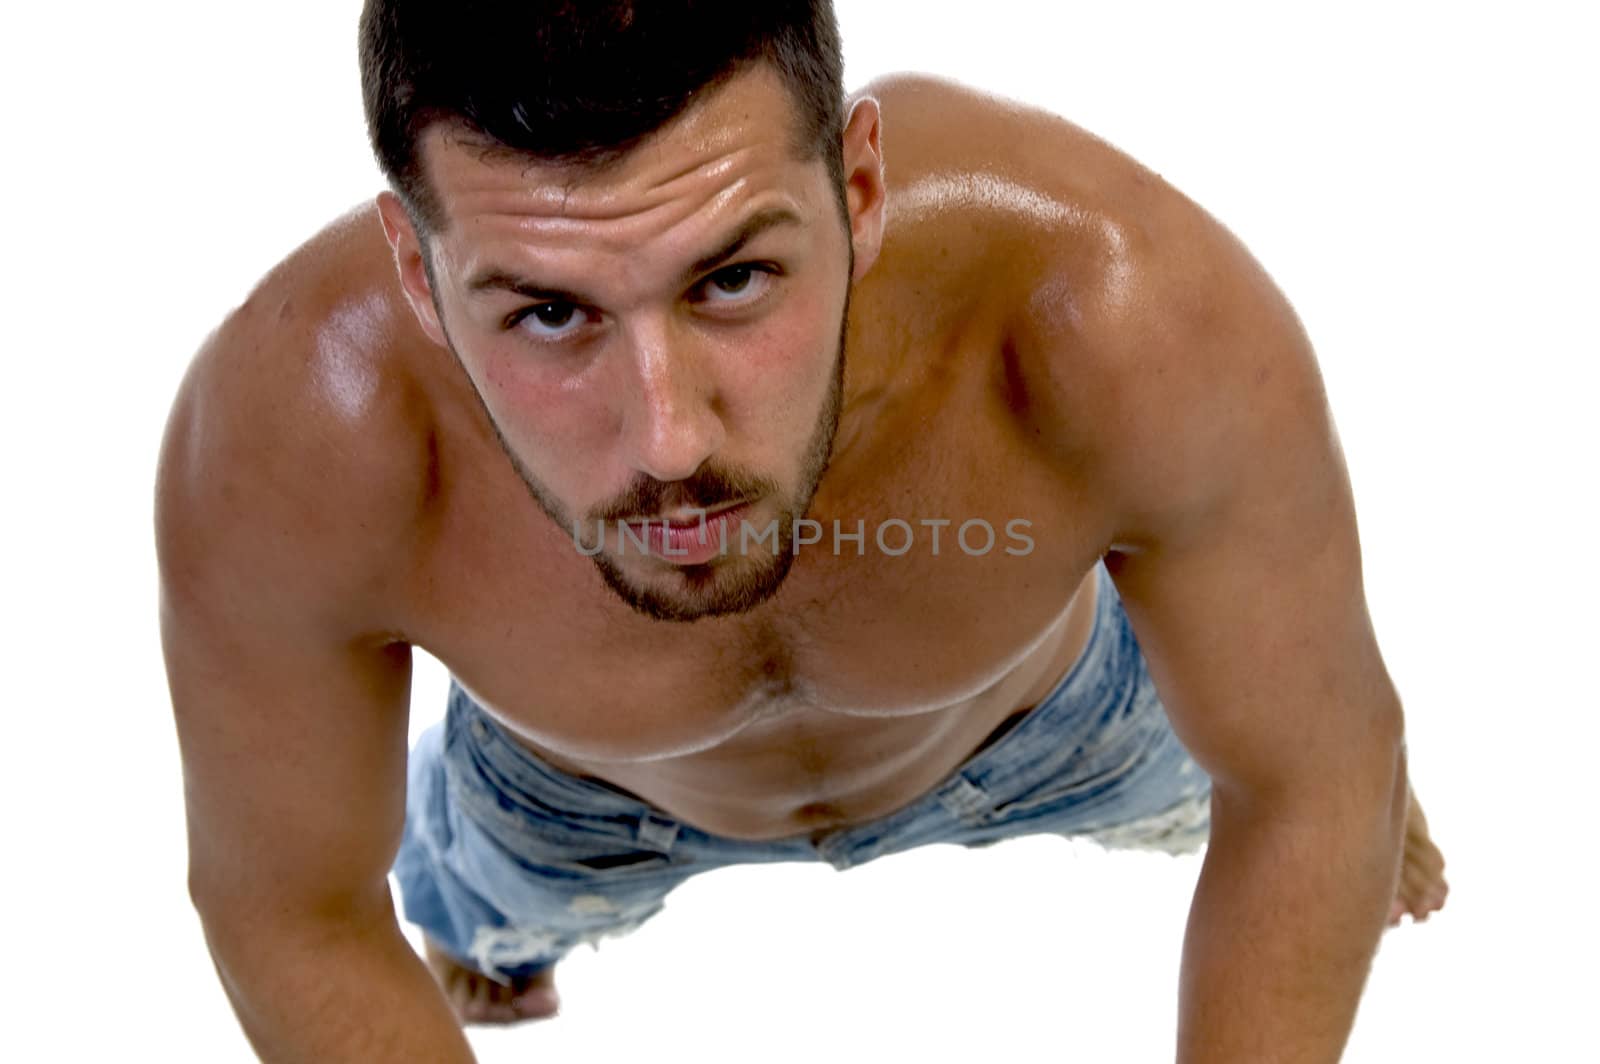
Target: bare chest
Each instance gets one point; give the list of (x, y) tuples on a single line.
[(935, 594)]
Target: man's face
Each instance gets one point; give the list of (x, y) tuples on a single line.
[(631, 369)]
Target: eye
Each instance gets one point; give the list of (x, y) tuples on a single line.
[(744, 283), (543, 321)]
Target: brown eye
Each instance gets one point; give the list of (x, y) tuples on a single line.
[(562, 313), (734, 280), (744, 283), (546, 321)]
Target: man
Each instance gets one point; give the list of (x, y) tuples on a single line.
[(1005, 498)]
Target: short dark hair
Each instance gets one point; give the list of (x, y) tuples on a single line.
[(580, 83)]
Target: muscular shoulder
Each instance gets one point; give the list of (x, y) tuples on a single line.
[(1009, 180), (1032, 222), (1144, 349), (296, 456)]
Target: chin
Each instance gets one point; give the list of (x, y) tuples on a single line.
[(723, 587)]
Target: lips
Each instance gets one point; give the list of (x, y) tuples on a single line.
[(690, 542)]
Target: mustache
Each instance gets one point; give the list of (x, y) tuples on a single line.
[(708, 489)]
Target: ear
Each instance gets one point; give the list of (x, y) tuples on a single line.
[(865, 189), (408, 254)]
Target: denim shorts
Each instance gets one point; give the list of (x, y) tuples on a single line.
[(508, 863)]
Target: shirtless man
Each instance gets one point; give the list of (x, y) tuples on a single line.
[(914, 304)]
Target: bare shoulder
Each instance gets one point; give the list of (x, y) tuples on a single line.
[(1152, 350), (1037, 174), (296, 455), (1062, 232)]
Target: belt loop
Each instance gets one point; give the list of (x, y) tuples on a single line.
[(963, 797), (657, 832)]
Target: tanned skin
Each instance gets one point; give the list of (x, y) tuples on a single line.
[(371, 454)]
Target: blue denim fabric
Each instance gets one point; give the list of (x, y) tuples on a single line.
[(508, 863)]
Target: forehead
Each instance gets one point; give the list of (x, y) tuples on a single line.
[(733, 145)]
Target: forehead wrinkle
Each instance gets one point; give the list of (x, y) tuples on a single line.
[(637, 198), (625, 234), (600, 228)]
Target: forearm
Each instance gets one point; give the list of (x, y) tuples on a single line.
[(334, 995), (1286, 917)]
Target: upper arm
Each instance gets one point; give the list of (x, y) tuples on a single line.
[(1235, 548), (290, 701)]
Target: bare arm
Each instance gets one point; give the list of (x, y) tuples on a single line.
[(1238, 561), (291, 716)]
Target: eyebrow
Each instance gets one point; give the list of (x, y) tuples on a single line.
[(495, 279)]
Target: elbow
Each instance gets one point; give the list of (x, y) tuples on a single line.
[(199, 897), (1399, 792), (1395, 786), (1383, 800), (206, 891)]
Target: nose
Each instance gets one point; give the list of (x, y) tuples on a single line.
[(671, 425)]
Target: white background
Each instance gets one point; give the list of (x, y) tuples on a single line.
[(1420, 179)]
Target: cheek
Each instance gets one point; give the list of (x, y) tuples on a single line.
[(542, 410), (784, 366)]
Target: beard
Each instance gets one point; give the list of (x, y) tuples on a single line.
[(733, 582)]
